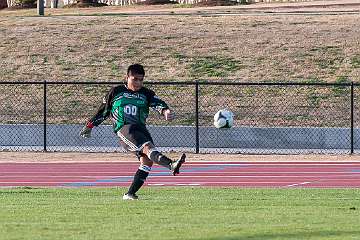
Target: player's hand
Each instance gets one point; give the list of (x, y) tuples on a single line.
[(169, 116), (86, 132)]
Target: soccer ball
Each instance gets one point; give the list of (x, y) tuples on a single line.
[(223, 119)]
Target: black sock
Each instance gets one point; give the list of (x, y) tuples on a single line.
[(139, 179), (160, 159)]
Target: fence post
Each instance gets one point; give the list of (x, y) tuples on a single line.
[(40, 7), (352, 117), (197, 116), (44, 116)]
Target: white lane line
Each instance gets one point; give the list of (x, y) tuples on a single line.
[(297, 184), (188, 184), (176, 184)]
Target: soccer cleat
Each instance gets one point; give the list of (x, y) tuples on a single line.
[(129, 196), (175, 166)]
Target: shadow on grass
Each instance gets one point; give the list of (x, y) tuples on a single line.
[(303, 235)]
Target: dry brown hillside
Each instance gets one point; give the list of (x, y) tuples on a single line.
[(242, 43)]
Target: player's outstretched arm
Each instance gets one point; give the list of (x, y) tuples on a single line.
[(102, 113)]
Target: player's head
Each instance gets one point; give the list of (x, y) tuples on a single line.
[(135, 77), (136, 69)]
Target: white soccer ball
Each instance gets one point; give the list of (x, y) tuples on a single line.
[(224, 119)]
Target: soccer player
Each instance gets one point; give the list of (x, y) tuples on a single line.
[(128, 106)]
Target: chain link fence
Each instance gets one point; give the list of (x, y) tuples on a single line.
[(270, 118)]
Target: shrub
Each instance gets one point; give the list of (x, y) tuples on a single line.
[(25, 3)]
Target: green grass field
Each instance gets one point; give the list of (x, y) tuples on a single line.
[(180, 213)]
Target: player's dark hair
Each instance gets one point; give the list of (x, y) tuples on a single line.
[(136, 69)]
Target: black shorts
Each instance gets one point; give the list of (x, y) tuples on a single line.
[(133, 137)]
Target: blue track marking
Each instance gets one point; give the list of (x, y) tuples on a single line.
[(156, 173)]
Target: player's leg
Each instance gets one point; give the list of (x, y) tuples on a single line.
[(154, 155), (133, 139), (139, 178), (138, 139)]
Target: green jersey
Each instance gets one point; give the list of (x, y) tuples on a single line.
[(125, 106)]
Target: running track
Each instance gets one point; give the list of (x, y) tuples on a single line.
[(237, 174)]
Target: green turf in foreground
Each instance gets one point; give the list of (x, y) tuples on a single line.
[(180, 213)]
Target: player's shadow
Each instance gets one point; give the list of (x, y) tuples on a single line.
[(291, 236)]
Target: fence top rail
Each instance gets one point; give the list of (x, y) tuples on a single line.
[(182, 83), (278, 84)]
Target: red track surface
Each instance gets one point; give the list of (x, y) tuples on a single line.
[(239, 174)]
